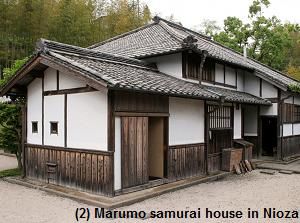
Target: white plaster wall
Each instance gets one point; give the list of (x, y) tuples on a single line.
[(297, 129), (50, 79), (87, 120), (250, 121), (287, 129), (34, 110), (54, 112), (219, 71), (240, 80), (186, 121), (297, 100), (268, 90), (230, 76), (169, 64), (68, 81), (237, 131), (117, 154), (269, 110), (252, 84)]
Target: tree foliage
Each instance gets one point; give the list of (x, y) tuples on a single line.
[(9, 72), (268, 40), (78, 22), (11, 118), (11, 129)]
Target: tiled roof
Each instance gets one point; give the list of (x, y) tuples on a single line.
[(164, 37), (132, 74)]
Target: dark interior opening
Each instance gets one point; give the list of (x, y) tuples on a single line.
[(157, 148), (269, 136)]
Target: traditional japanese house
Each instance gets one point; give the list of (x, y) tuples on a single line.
[(154, 105)]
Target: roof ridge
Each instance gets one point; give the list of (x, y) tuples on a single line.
[(120, 36), (43, 45), (157, 18), (176, 35)]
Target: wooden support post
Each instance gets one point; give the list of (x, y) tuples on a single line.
[(259, 134), (24, 138), (206, 136), (111, 122), (203, 58)]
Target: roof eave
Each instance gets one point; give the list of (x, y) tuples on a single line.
[(28, 66), (280, 86)]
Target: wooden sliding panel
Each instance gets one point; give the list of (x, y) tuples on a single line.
[(291, 146), (220, 134), (186, 161), (134, 147), (87, 170)]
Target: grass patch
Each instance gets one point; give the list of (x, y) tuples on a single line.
[(10, 173)]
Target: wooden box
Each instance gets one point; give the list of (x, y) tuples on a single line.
[(247, 148), (230, 157)]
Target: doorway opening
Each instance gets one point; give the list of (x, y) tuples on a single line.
[(269, 136), (157, 147)]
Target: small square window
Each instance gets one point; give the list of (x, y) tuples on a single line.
[(34, 127), (53, 127)]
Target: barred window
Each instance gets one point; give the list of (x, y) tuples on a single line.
[(297, 113), (191, 67)]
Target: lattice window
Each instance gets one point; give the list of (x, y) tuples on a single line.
[(296, 113), (220, 118), (287, 113), (191, 67)]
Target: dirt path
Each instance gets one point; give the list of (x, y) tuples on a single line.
[(255, 190), (7, 162)]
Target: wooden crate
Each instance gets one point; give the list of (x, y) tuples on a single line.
[(230, 157)]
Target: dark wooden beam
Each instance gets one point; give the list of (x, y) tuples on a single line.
[(142, 114), (43, 110), (57, 79), (206, 135), (110, 121), (69, 91), (66, 119)]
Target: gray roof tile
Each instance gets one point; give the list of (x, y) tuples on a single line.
[(164, 37), (125, 73)]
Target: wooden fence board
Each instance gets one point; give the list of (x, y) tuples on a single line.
[(90, 171), (186, 161)]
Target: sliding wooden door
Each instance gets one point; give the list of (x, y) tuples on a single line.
[(134, 147)]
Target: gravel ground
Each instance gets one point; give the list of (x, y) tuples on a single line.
[(254, 190), (7, 162)]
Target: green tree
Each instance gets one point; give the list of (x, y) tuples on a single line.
[(11, 118), (267, 39), (11, 129), (209, 27)]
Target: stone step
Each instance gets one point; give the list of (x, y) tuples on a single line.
[(270, 172), (286, 171)]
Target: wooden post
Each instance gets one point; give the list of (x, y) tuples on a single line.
[(259, 134), (203, 58), (206, 136), (24, 137)]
